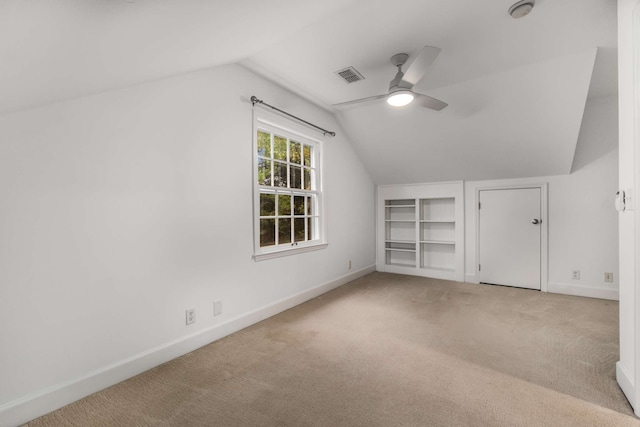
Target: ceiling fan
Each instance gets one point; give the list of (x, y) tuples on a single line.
[(400, 88)]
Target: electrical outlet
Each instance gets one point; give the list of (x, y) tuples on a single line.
[(575, 274), (190, 316), (608, 277), (217, 308), (349, 264)]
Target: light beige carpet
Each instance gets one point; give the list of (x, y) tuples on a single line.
[(389, 350)]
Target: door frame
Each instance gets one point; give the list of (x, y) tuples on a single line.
[(544, 240), (635, 124)]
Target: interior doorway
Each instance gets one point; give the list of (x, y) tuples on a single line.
[(510, 236)]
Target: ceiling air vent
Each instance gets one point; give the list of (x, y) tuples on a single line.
[(350, 75)]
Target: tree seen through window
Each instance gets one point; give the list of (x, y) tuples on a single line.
[(286, 174)]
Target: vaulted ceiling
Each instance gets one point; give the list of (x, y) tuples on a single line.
[(516, 88)]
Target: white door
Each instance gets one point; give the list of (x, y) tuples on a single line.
[(510, 237)]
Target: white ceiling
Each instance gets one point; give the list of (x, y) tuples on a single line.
[(516, 88), (52, 50)]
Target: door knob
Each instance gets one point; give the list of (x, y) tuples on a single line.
[(535, 221)]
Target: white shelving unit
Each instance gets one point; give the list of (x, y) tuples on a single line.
[(421, 230), (400, 232), (437, 234)]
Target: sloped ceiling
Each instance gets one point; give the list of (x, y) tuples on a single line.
[(51, 50), (501, 125), (516, 88)]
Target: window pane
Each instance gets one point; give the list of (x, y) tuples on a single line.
[(284, 230), (298, 229), (280, 148), (295, 152), (298, 205), (307, 179), (264, 144), (280, 174), (296, 177), (284, 205), (287, 173), (307, 155), (267, 232), (264, 172), (267, 204)]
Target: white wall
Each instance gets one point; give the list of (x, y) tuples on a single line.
[(628, 27), (121, 210), (582, 221)]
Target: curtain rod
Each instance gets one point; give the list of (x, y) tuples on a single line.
[(255, 101)]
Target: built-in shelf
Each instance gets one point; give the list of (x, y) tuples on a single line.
[(422, 235), (400, 203), (395, 264), (443, 269), (439, 242)]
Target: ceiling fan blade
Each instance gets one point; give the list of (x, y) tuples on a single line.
[(420, 65), (429, 102), (357, 101)]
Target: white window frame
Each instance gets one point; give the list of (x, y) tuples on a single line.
[(281, 126)]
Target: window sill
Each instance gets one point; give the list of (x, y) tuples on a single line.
[(287, 252)]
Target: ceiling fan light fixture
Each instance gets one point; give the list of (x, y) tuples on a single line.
[(521, 8), (400, 98)]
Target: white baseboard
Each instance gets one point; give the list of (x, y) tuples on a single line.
[(471, 278), (583, 291), (44, 401), (567, 289), (625, 382)]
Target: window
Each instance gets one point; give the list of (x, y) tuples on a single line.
[(288, 191)]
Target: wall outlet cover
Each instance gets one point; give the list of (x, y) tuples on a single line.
[(190, 316), (217, 308), (575, 274)]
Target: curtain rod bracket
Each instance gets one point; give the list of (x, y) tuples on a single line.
[(255, 100)]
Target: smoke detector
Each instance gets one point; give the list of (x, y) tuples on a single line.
[(521, 8)]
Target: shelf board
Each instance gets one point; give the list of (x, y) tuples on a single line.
[(400, 220), (397, 264), (438, 242), (399, 206), (445, 221), (399, 241), (447, 269), (399, 250)]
